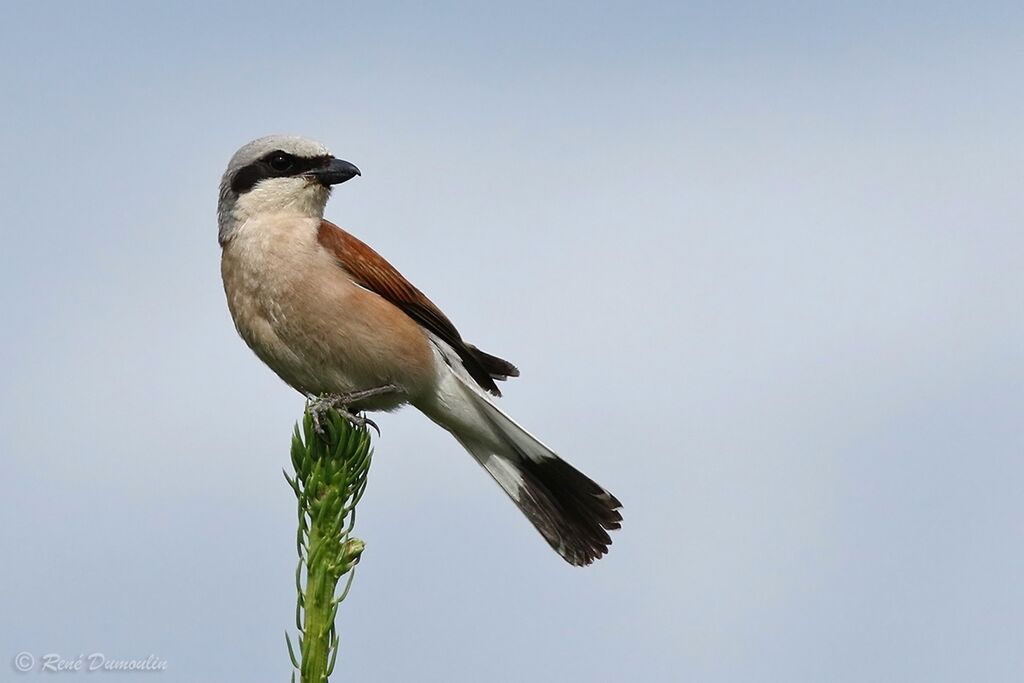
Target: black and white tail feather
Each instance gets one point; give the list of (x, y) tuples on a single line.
[(572, 512)]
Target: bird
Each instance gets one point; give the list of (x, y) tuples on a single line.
[(338, 323)]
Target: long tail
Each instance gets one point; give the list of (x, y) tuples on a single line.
[(571, 511)]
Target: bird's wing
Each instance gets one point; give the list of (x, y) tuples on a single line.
[(370, 270)]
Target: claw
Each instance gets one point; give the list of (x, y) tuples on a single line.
[(371, 423), (354, 419)]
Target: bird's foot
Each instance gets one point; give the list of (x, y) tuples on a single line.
[(318, 411), (320, 405)]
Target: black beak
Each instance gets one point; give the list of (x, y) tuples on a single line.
[(335, 172)]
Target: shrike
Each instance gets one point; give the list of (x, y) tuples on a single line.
[(335, 320)]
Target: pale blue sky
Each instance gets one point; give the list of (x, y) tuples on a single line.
[(760, 265)]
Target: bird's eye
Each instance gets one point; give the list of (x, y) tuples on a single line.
[(281, 162)]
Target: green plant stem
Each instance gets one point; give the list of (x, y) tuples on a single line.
[(317, 627), (330, 477)]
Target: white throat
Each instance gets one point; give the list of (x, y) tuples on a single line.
[(293, 197)]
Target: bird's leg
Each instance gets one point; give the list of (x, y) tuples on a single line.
[(319, 405)]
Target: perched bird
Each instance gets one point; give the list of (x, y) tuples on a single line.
[(338, 323)]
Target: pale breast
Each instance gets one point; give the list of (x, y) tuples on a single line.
[(297, 309)]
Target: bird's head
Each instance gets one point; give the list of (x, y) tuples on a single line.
[(276, 174)]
